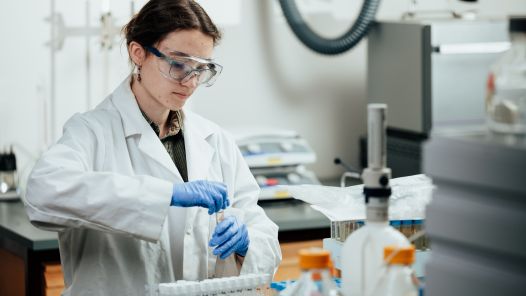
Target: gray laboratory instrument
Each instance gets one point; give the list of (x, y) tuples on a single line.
[(9, 189), (477, 218), (432, 75), (276, 157)]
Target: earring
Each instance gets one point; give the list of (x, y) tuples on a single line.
[(139, 73)]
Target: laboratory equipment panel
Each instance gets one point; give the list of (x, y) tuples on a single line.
[(432, 74), (269, 180), (276, 157), (476, 219), (270, 148)]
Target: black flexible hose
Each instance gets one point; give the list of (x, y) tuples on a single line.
[(324, 45)]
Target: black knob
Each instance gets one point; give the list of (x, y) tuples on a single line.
[(7, 162), (384, 181), (517, 24)]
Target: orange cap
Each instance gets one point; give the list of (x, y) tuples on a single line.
[(404, 255), (314, 258)]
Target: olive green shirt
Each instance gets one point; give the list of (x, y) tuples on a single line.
[(173, 141)]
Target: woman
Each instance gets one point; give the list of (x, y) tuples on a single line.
[(132, 186)]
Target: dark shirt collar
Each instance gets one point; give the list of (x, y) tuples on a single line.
[(175, 123)]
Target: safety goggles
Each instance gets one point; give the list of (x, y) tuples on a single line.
[(182, 67)]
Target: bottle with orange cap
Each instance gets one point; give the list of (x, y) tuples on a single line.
[(316, 278), (398, 279)]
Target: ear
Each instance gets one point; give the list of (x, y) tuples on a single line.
[(137, 53)]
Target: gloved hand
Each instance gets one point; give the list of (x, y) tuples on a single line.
[(230, 236), (207, 194)]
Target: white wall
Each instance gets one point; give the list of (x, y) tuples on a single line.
[(269, 77)]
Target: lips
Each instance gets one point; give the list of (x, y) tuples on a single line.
[(181, 95)]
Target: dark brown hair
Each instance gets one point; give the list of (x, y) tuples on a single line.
[(158, 18)]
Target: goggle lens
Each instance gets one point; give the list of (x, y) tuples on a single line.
[(185, 68)]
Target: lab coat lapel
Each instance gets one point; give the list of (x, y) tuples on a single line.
[(152, 147), (199, 154), (134, 123)]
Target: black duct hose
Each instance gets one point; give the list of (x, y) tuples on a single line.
[(330, 46)]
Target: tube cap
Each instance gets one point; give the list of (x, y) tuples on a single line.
[(404, 255), (517, 23), (314, 258)]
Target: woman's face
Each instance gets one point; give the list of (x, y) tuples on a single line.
[(169, 93)]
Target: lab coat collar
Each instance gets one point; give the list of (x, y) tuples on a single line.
[(132, 119), (197, 134), (125, 101), (134, 124)]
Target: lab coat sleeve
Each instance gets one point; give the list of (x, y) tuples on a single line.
[(64, 191), (264, 253)]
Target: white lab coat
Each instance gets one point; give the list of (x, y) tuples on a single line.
[(106, 188)]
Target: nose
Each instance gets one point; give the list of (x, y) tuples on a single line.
[(192, 80)]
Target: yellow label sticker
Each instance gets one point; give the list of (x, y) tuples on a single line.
[(273, 160), (281, 194)]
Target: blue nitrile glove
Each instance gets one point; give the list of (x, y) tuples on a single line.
[(207, 194), (230, 236)]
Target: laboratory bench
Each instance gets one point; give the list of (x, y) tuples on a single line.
[(297, 221), (26, 252), (30, 256)]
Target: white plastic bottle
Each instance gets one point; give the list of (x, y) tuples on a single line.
[(362, 252), (506, 98), (362, 256), (399, 279)]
